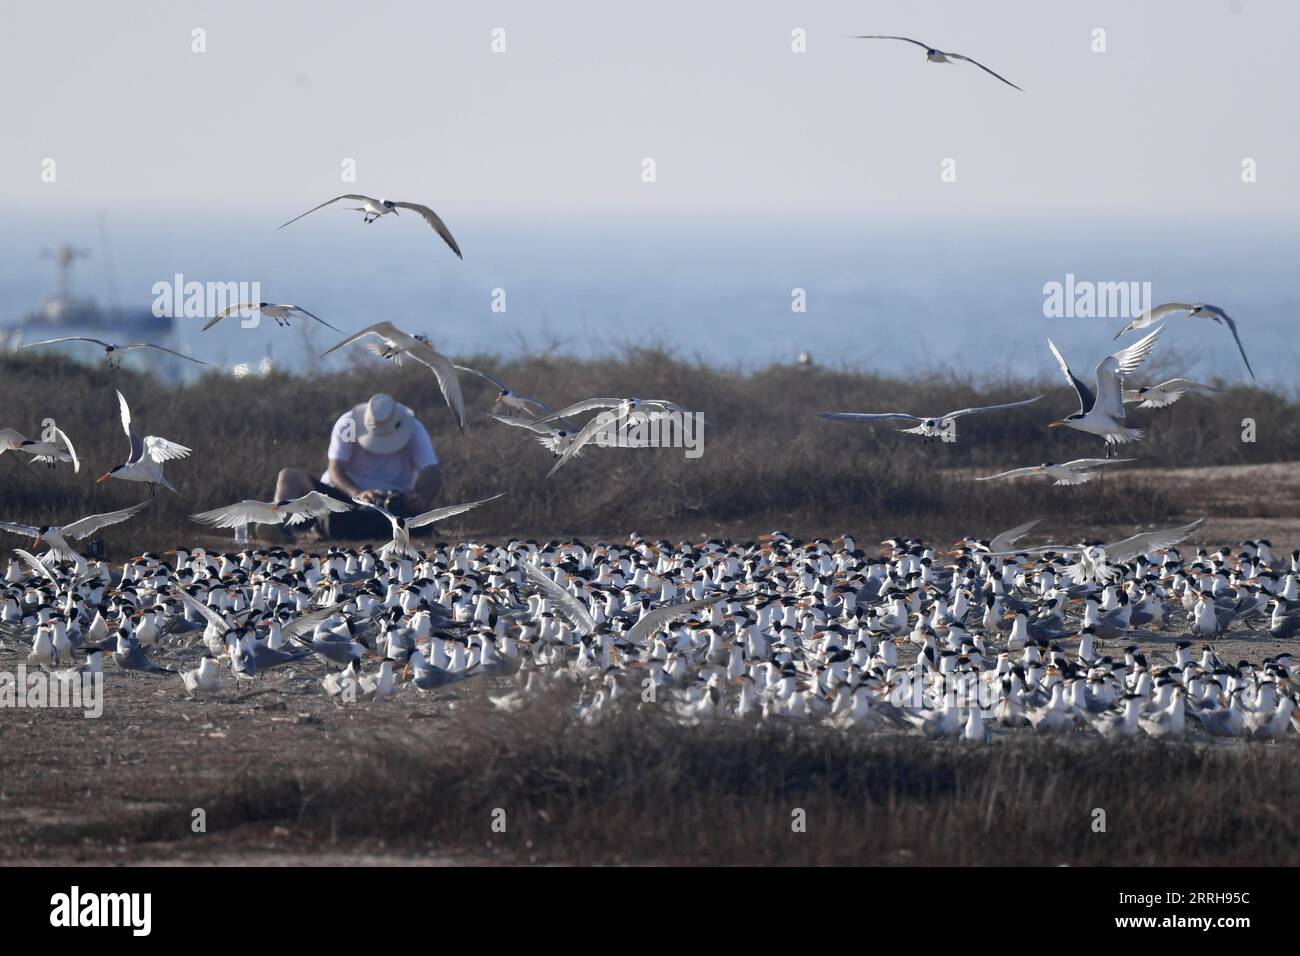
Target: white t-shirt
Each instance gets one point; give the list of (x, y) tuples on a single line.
[(367, 470)]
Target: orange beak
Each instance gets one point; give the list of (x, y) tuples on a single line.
[(1056, 425), (36, 542), (102, 478)]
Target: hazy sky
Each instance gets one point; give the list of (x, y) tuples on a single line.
[(1157, 125)]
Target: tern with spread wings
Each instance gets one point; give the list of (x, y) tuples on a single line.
[(1193, 309), (929, 428), (56, 536), (400, 546), (939, 56), (1164, 394), (375, 208), (291, 512), (1102, 414), (112, 351), (145, 461), (396, 343), (1077, 472), (281, 313)]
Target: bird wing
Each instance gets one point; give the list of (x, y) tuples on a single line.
[(652, 621), (72, 452), (1216, 313), (545, 433), (1014, 473), (433, 219), (1154, 314), (137, 446), (384, 330), (501, 386), (1008, 538), (160, 449), (1086, 399), (298, 308), (1166, 393), (84, 527), (1083, 464), (66, 338), (10, 438), (598, 422), (295, 629), (868, 416), (35, 564), (448, 381), (207, 613), (872, 36), (232, 516), (250, 306), (1130, 548), (571, 607), (1112, 370), (163, 348), (988, 408), (327, 202), (314, 504), (1128, 359), (586, 405), (960, 56), (26, 530), (438, 514)]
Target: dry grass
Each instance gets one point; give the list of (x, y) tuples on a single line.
[(639, 788), (768, 461)]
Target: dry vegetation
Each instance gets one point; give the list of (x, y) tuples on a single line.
[(639, 788), (768, 461)]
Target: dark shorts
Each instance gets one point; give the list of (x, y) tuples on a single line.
[(361, 522)]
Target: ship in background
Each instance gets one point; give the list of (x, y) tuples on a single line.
[(66, 314)]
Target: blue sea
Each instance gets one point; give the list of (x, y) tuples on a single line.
[(896, 295)]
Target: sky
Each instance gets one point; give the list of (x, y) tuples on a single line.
[(774, 170), (284, 93)]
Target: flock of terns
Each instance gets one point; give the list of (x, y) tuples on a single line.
[(980, 641), (986, 639)]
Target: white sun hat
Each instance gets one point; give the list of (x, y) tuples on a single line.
[(383, 426)]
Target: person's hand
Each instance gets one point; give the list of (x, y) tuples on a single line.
[(374, 495)]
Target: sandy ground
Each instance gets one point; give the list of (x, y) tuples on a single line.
[(156, 751)]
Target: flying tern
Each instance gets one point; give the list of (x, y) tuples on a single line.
[(624, 406), (375, 208), (51, 453), (939, 56), (1103, 414), (1077, 472), (1099, 562), (1164, 394), (396, 342), (281, 313), (1193, 309), (646, 627), (929, 428), (113, 352), (555, 440), (56, 536), (294, 511), (511, 399), (400, 546), (145, 462)]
